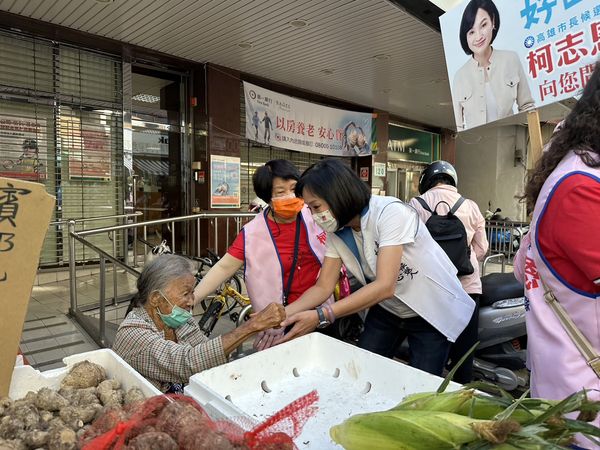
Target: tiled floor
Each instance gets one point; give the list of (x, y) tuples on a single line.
[(48, 333)]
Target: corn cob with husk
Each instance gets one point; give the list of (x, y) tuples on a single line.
[(415, 430), (468, 420), (467, 402)]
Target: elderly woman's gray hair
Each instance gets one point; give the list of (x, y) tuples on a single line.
[(158, 274)]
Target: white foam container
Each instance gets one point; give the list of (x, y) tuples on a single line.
[(26, 378), (349, 381)]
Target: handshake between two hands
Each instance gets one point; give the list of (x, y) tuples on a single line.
[(273, 322)]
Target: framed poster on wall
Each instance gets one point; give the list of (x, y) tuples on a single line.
[(224, 182)]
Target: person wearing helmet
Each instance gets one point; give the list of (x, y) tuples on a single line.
[(437, 186)]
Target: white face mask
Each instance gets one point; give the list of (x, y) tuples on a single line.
[(326, 221)]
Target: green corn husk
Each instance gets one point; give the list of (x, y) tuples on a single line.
[(405, 430), (433, 401), (467, 402)]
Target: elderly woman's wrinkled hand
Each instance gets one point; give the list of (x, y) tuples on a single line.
[(270, 317)]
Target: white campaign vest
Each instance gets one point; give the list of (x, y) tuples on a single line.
[(427, 282)]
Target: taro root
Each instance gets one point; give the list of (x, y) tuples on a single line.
[(177, 416), (36, 438), (24, 412), (80, 397), (84, 375), (110, 393), (11, 427), (134, 395), (5, 402), (77, 416), (49, 400), (202, 438), (45, 418), (62, 439), (82, 431), (12, 444), (154, 440)]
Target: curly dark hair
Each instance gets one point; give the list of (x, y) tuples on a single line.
[(580, 133)]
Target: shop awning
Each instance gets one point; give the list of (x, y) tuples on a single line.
[(150, 166)]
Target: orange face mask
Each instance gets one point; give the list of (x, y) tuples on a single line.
[(287, 207)]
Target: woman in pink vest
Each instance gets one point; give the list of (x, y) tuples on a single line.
[(282, 248), (562, 249)]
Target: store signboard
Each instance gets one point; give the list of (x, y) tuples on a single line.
[(406, 144), (23, 148), (224, 182), (542, 52), (287, 122)]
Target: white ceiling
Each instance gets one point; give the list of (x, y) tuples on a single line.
[(341, 35)]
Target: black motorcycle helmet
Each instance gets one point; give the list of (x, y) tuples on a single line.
[(434, 173)]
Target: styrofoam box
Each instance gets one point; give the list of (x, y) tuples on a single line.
[(349, 381), (26, 378)]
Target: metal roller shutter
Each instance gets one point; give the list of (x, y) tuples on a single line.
[(61, 125)]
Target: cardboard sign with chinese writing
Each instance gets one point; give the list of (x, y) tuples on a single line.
[(287, 122), (508, 56), (25, 212)]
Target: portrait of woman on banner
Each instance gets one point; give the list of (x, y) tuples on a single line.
[(492, 82)]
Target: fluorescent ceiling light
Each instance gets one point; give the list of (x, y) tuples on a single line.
[(146, 98)]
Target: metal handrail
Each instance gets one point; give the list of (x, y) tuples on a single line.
[(163, 221), (105, 257), (486, 261), (97, 218)]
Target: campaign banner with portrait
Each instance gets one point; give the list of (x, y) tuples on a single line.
[(224, 182), (23, 148), (287, 122), (508, 56)]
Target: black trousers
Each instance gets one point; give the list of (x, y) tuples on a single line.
[(466, 340)]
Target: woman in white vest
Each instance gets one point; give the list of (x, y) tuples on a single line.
[(282, 248), (409, 284)]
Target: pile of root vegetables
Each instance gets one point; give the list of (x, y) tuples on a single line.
[(58, 419), (91, 412)]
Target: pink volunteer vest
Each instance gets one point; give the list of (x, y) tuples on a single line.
[(263, 271), (557, 367)]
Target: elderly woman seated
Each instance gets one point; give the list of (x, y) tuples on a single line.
[(159, 337)]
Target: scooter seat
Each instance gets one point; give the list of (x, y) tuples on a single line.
[(499, 286)]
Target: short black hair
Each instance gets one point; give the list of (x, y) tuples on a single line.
[(468, 20), (339, 186), (262, 180)]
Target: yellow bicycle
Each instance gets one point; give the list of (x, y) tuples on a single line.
[(226, 299)]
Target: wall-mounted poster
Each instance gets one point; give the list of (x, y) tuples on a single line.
[(23, 148), (224, 182), (508, 56)]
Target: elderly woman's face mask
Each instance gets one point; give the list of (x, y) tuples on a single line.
[(178, 315)]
